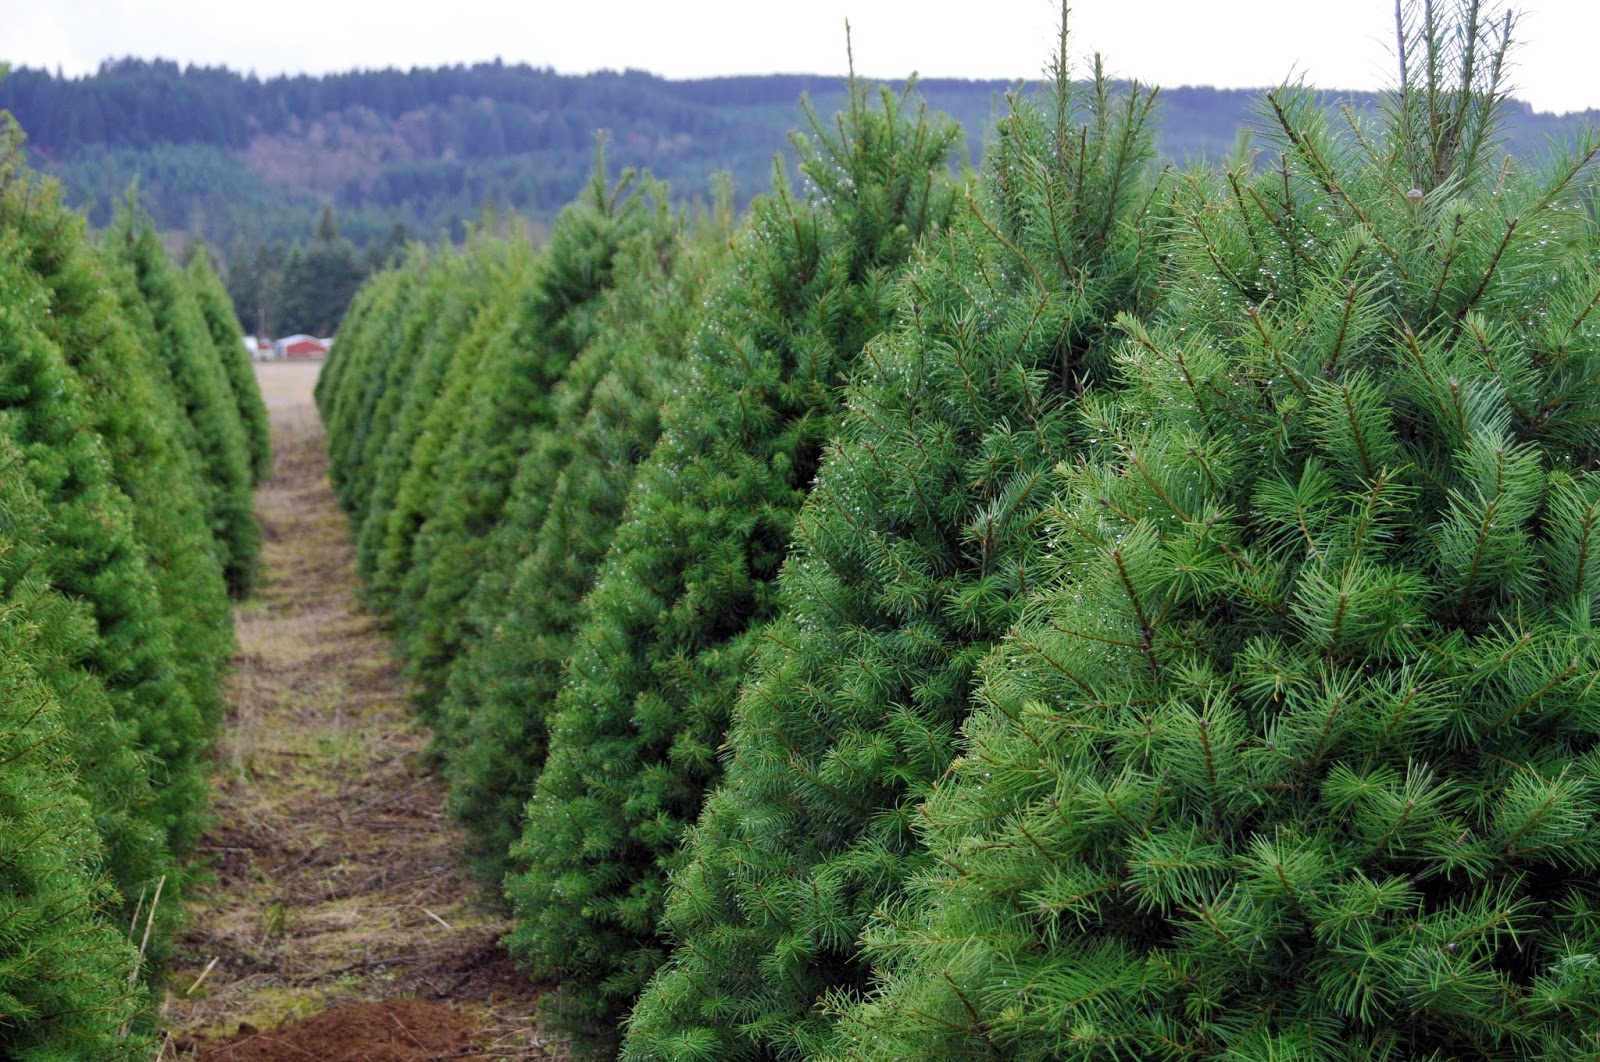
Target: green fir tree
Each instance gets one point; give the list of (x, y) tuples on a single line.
[(454, 292), (563, 508), (214, 432), (67, 974), (125, 718), (1293, 754), (353, 379), (918, 544), (512, 397), (502, 276), (226, 337), (677, 606)]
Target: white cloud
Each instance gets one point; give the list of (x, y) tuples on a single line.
[(1233, 43)]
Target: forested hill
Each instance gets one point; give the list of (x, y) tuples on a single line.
[(230, 156)]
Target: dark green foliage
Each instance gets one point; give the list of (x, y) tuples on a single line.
[(564, 506), (226, 336), (66, 991), (677, 605), (318, 282), (430, 146), (1293, 753), (214, 432), (512, 396), (916, 548)]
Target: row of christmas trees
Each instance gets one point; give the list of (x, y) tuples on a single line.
[(131, 434), (1082, 612)]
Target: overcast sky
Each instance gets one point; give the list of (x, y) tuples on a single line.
[(1345, 44)]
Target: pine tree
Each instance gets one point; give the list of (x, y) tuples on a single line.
[(1292, 754), (454, 291), (502, 276), (392, 362), (217, 308), (690, 579), (214, 430), (66, 993), (512, 396), (353, 378), (915, 550), (122, 534), (563, 507), (106, 656)]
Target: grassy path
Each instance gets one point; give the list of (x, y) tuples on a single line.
[(336, 881)]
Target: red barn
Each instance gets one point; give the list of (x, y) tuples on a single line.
[(301, 346)]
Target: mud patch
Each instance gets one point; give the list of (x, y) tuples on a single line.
[(395, 1030)]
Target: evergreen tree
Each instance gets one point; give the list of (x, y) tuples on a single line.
[(126, 717), (454, 289), (65, 988), (914, 552), (385, 380), (141, 694), (676, 608), (501, 275), (226, 336), (352, 380), (318, 281), (132, 408), (512, 395), (563, 507), (1293, 753), (213, 430)]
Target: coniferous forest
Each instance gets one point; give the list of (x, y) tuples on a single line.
[(1081, 607)]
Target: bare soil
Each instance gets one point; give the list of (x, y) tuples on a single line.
[(340, 924)]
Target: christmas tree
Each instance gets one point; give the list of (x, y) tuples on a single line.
[(67, 989), (563, 507), (502, 276), (179, 338), (512, 397), (1292, 754), (916, 548), (690, 580), (217, 308)]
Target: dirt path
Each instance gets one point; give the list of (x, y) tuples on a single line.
[(337, 884)]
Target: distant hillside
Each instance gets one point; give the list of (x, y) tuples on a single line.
[(235, 157)]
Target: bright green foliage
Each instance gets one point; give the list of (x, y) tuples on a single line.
[(916, 548), (65, 992), (453, 292), (512, 396), (217, 309), (131, 407), (213, 431), (677, 605), (1294, 754), (390, 368), (84, 546), (354, 379), (564, 506), (126, 619), (106, 655), (500, 277)]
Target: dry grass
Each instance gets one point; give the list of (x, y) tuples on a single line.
[(336, 875)]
